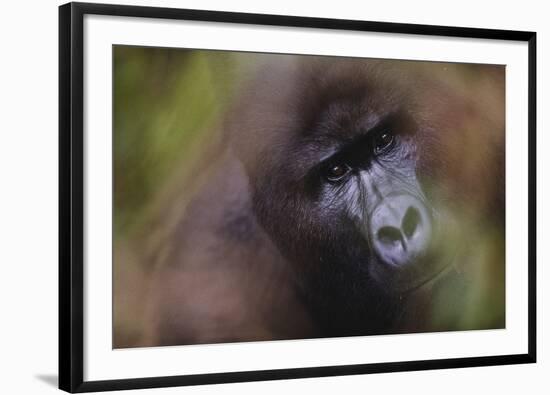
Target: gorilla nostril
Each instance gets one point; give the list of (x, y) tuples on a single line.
[(410, 221), (389, 235)]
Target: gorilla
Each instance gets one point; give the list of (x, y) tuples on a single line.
[(343, 197)]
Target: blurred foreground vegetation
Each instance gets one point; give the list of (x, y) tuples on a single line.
[(165, 101)]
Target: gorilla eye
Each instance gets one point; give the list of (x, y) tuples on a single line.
[(337, 171), (383, 141)]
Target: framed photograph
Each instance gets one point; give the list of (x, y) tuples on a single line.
[(257, 197)]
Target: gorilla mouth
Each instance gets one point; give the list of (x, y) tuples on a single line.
[(431, 279), (417, 274)]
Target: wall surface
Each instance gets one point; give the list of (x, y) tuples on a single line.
[(28, 203)]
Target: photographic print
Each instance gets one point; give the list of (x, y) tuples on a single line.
[(261, 196), (248, 197)]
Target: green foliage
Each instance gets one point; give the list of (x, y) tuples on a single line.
[(165, 100)]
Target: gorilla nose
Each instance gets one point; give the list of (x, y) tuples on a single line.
[(400, 229)]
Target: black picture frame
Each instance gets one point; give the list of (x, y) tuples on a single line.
[(71, 195)]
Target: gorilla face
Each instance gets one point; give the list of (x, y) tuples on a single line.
[(365, 189), (351, 177), (370, 183)]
